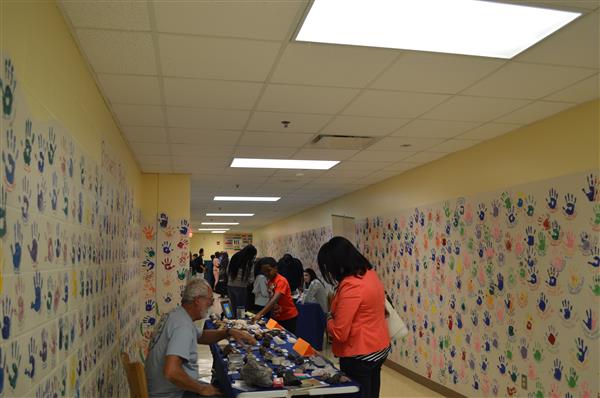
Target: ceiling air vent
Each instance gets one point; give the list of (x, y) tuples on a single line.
[(338, 141)]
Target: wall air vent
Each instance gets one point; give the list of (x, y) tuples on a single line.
[(340, 141)]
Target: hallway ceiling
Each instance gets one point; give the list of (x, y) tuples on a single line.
[(193, 84)]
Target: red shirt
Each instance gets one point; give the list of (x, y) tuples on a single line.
[(285, 308)]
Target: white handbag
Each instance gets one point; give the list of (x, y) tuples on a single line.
[(396, 326)]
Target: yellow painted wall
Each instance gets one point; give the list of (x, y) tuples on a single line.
[(209, 243), (57, 82), (565, 143)]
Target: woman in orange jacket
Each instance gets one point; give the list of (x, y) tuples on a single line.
[(356, 323)]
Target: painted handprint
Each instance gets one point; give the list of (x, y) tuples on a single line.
[(25, 199), (592, 189), (149, 232), (557, 369), (13, 370), (10, 155), (40, 154), (30, 371), (38, 283), (595, 257), (51, 145), (8, 85), (16, 248), (33, 247), (569, 207), (7, 313), (552, 200)]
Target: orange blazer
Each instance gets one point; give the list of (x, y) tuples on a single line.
[(358, 326)]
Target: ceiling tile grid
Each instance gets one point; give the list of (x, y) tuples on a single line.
[(193, 84)]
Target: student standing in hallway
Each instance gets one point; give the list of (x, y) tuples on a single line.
[(356, 322)]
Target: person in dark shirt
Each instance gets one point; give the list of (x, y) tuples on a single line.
[(291, 269)]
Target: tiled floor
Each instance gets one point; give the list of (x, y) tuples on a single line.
[(392, 382)]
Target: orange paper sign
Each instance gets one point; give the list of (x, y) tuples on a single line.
[(303, 348), (272, 324)]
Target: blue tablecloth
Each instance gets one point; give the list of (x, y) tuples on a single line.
[(311, 324)]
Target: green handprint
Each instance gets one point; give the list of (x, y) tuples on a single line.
[(509, 353), (522, 272), (446, 341), (487, 236), (181, 274), (572, 378), (507, 200), (512, 280), (447, 209), (451, 263), (471, 245), (474, 272), (462, 228), (489, 268), (597, 215), (596, 286), (555, 231), (541, 244), (430, 232), (537, 352), (539, 393)]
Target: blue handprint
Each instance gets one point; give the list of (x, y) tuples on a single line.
[(184, 227), (514, 373), (502, 364), (163, 220), (511, 217), (7, 89), (592, 188), (532, 271), (500, 282), (530, 239), (148, 264), (589, 322), (595, 255), (552, 200), (25, 199), (166, 247), (2, 367), (543, 302), (40, 155), (481, 211), (552, 277), (566, 309), (32, 352), (149, 320), (582, 349), (530, 205), (33, 248), (3, 200), (569, 207), (150, 305), (16, 249), (28, 144), (9, 158), (484, 364), (7, 312), (557, 369), (487, 318), (38, 283), (51, 145)]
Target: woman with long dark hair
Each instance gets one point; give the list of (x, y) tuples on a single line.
[(356, 323), (314, 290), (240, 274)]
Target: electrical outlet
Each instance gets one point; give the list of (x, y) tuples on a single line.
[(524, 382)]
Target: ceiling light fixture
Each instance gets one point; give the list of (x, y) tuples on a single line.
[(213, 229), (248, 198), (217, 232), (229, 214), (284, 164), (468, 27), (220, 223)]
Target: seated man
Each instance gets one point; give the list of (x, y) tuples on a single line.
[(171, 366)]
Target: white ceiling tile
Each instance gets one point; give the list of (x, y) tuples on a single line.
[(264, 152), (530, 81), (210, 93), (270, 20), (256, 138), (204, 151), (303, 99), (583, 91), (206, 118), (577, 44), (324, 154), (435, 73), (149, 148), (363, 166), (216, 58), (477, 109), (535, 111), (154, 159), (127, 15), (393, 104), (304, 175), (365, 126), (203, 137), (110, 51), (425, 157), (145, 134), (380, 156), (453, 145), (155, 168), (331, 65), (423, 128), (401, 166), (127, 89), (139, 115), (299, 123), (406, 144), (335, 173), (333, 181), (489, 130)]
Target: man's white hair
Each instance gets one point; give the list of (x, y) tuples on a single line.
[(194, 288)]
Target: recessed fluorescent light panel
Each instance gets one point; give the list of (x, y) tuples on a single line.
[(468, 27), (248, 198), (220, 223), (229, 214), (213, 229), (284, 164), (217, 232)]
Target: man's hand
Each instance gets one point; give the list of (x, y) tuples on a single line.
[(242, 337), (208, 390)]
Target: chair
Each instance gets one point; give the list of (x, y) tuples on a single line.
[(136, 377)]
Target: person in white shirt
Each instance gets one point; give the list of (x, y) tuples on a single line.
[(260, 288), (315, 290)]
